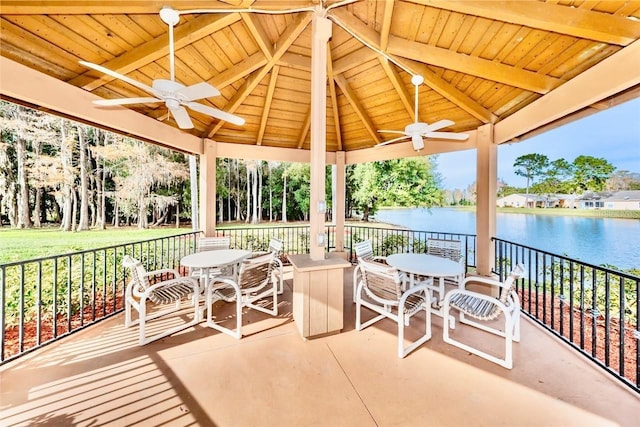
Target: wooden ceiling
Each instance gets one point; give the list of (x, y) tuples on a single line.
[(482, 61)]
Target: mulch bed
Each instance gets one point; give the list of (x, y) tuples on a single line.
[(562, 315)]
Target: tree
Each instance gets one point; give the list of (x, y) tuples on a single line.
[(530, 166), (591, 173), (402, 182)]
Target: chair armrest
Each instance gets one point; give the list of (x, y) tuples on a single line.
[(222, 282)]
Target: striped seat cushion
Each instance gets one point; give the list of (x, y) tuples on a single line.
[(171, 292), (473, 306)]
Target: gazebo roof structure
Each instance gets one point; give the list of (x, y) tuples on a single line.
[(519, 66)]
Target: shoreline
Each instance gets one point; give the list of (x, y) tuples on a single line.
[(589, 213)]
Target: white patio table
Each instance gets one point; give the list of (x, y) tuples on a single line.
[(426, 265), (207, 260)]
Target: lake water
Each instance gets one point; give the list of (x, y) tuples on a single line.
[(592, 240)]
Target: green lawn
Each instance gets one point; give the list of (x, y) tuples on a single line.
[(594, 213), (18, 245)]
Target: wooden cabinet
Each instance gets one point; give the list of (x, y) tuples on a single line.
[(318, 294)]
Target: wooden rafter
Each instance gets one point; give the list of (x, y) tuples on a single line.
[(257, 31), (441, 86), (445, 58), (475, 66), (386, 24), (22, 7), (357, 106), (576, 22), (399, 86), (286, 39), (239, 71), (267, 103), (334, 98), (304, 131), (157, 48)]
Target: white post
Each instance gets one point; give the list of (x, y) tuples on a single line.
[(320, 35)]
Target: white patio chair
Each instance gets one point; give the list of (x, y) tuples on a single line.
[(140, 291), (364, 251), (450, 249), (381, 291), (254, 283), (486, 308), (276, 246)]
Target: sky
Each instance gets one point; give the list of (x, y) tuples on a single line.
[(612, 134)]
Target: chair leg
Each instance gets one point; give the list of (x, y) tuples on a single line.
[(506, 362), (210, 323), (403, 351)]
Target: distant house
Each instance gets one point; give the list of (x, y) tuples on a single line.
[(528, 201), (618, 200)]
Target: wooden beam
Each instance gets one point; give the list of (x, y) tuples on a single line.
[(30, 86), (57, 7), (575, 22), (292, 32), (386, 24), (475, 66), (267, 103), (259, 34), (445, 58), (293, 60), (155, 49), (304, 131), (399, 86), (279, 154), (334, 98), (449, 91), (354, 59), (239, 70), (357, 106), (607, 78), (436, 83)]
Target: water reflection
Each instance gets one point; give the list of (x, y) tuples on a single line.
[(592, 240)]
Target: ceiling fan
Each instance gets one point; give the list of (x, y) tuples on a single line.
[(175, 95), (416, 131)]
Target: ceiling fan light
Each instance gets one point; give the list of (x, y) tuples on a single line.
[(418, 143)]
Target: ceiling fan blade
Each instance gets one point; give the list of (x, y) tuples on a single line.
[(125, 101), (117, 76), (197, 91), (448, 135), (214, 112), (439, 125), (399, 132), (182, 117), (400, 138)]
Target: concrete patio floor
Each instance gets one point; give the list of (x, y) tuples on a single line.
[(271, 377)]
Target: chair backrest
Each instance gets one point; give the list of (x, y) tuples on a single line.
[(364, 250), (213, 243), (381, 282), (275, 245), (451, 249), (255, 272), (138, 273)]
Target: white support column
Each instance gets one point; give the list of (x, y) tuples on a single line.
[(208, 188), (486, 183), (339, 199), (320, 35)]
